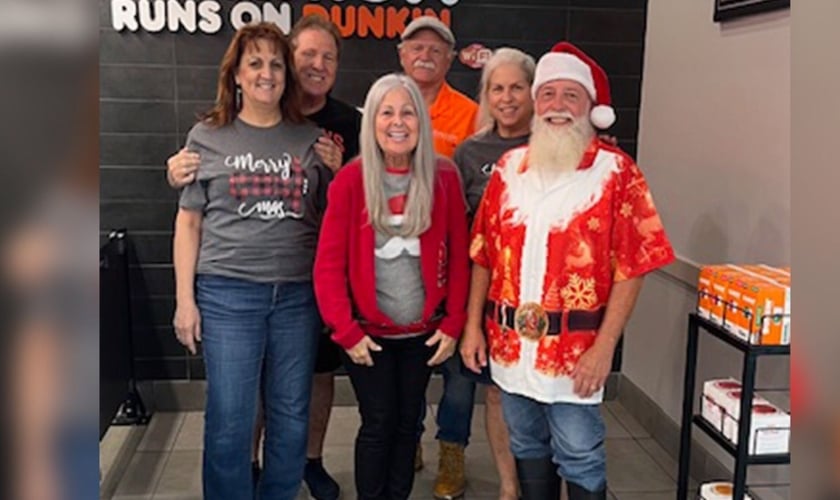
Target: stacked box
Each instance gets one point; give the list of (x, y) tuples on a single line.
[(751, 301), (761, 301), (710, 300), (714, 393), (769, 429)]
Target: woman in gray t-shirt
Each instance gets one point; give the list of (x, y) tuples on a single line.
[(244, 244)]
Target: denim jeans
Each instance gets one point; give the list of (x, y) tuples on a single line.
[(251, 330), (455, 411), (389, 394), (571, 434)]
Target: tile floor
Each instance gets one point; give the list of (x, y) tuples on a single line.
[(167, 463)]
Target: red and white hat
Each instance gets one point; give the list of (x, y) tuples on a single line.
[(567, 62)]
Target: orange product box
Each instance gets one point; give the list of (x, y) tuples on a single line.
[(785, 282), (712, 285), (706, 295), (758, 317), (780, 316)]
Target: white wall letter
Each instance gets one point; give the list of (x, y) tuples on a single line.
[(282, 17), (211, 21), (124, 15), (149, 22), (240, 11), (181, 15)]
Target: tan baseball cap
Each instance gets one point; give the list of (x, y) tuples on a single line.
[(428, 23)]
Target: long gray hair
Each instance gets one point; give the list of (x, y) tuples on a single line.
[(418, 208), (502, 56)]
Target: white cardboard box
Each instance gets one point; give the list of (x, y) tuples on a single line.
[(769, 430), (714, 393)]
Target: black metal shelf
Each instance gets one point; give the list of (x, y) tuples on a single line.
[(729, 446), (740, 344), (751, 353)]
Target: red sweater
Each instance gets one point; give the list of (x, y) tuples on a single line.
[(344, 278)]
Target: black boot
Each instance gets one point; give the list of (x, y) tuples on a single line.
[(538, 479), (577, 492)]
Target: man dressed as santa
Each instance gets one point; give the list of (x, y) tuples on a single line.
[(562, 239)]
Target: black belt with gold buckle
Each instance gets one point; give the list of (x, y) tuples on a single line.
[(532, 321)]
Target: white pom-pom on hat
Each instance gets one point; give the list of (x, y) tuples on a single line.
[(602, 116)]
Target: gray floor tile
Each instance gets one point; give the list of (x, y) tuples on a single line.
[(631, 469), (162, 430), (615, 430), (181, 477), (482, 478), (638, 469), (343, 426), (627, 421), (191, 436), (660, 456), (142, 475)]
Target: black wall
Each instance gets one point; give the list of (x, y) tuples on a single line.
[(152, 85)]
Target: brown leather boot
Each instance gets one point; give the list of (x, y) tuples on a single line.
[(450, 482)]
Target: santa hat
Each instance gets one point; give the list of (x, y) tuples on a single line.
[(567, 62)]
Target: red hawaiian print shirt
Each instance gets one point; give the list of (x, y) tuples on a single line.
[(560, 247)]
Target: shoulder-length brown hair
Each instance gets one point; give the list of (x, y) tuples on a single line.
[(226, 107)]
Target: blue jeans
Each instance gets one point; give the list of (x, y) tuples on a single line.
[(571, 434), (455, 412), (251, 330)]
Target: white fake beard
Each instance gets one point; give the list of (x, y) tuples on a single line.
[(558, 150)]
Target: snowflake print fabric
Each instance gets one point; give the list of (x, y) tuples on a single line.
[(562, 248)]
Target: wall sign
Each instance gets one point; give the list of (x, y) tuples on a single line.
[(208, 16), (474, 55), (730, 9)]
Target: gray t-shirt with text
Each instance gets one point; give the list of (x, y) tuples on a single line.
[(256, 189)]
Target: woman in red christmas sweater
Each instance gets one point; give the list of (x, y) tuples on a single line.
[(391, 276)]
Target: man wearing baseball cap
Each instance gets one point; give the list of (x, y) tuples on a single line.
[(426, 54), (562, 239)]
